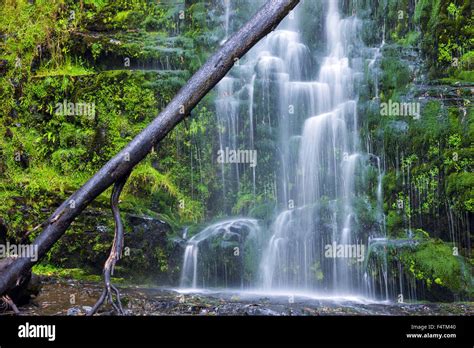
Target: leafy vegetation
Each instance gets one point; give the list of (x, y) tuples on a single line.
[(129, 58)]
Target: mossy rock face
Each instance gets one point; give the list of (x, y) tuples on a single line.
[(153, 251), (150, 251), (440, 271), (135, 50), (84, 61)]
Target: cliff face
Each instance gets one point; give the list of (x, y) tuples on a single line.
[(119, 62), (78, 81), (426, 62)]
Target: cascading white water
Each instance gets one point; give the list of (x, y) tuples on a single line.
[(227, 108), (329, 158), (320, 180), (227, 10), (190, 264), (228, 231)]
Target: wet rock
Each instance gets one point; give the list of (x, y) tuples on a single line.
[(149, 301), (27, 286), (255, 309), (74, 311), (151, 251)]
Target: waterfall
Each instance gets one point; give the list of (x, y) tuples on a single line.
[(227, 11), (319, 179), (235, 236), (329, 160), (190, 264)]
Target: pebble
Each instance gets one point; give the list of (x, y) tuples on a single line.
[(74, 311)]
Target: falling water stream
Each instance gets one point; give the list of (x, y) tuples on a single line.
[(320, 183), (329, 160)]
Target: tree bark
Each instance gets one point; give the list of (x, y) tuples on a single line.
[(263, 22), (115, 254)]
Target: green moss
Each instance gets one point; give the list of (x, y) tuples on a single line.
[(411, 39), (433, 261), (466, 75), (461, 186), (395, 223), (69, 273), (68, 68), (396, 74), (161, 259)]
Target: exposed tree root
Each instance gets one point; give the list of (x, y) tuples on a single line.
[(115, 254), (7, 303)]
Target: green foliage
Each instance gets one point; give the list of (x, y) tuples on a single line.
[(411, 39), (461, 186), (68, 273), (317, 271), (26, 27), (433, 262), (161, 259), (446, 32), (46, 155), (244, 203), (396, 74), (428, 181), (428, 161)]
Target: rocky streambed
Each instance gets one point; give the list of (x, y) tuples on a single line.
[(72, 297)]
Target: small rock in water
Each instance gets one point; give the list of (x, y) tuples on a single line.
[(74, 311)]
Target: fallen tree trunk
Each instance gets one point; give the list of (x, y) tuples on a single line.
[(264, 21)]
